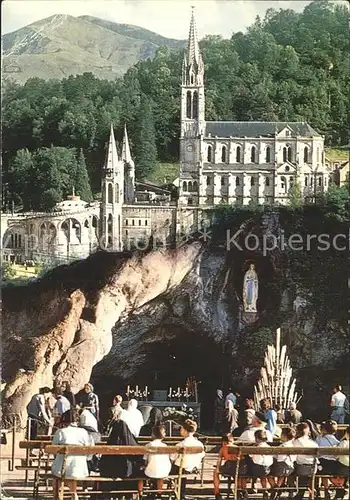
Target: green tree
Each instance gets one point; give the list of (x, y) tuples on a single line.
[(145, 143), (52, 172), (21, 177), (49, 198), (7, 271), (81, 179), (295, 196)]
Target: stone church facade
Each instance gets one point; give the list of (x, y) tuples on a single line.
[(242, 162), (220, 163)]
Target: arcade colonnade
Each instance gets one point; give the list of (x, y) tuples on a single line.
[(46, 237)]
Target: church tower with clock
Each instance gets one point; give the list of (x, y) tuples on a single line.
[(192, 120)]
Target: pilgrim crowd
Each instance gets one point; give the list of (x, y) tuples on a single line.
[(77, 420)]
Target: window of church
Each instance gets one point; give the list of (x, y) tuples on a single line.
[(192, 79), (252, 181), (267, 181), (237, 181), (19, 240), (190, 186), (284, 154), (195, 105), (188, 104), (253, 154), (184, 186), (126, 222), (283, 183), (223, 181), (12, 241), (320, 181), (318, 155), (208, 180), (86, 224), (289, 153), (195, 186), (117, 193), (306, 154), (126, 232), (291, 180), (238, 154), (109, 193), (287, 168), (306, 181), (223, 154), (209, 154), (190, 201), (139, 222), (146, 222), (133, 222), (268, 154)]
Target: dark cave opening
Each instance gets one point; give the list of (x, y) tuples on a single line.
[(169, 363)]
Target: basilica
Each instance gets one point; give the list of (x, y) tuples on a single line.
[(220, 163)]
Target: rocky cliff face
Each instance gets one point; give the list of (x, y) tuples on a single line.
[(160, 317)]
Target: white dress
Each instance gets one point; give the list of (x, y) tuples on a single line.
[(76, 466)]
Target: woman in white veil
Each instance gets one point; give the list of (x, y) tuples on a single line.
[(133, 418)]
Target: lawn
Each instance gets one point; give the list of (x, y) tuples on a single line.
[(164, 173), (335, 154)]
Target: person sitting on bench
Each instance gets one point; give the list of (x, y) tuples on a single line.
[(305, 465), (328, 464), (190, 463), (229, 466), (283, 465), (76, 465), (261, 464), (342, 469), (120, 466), (157, 466)]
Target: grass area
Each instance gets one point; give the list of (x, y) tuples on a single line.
[(335, 154), (164, 173), (22, 272)]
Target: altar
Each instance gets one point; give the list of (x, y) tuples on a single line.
[(171, 399)]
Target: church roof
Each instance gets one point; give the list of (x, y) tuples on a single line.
[(257, 129)]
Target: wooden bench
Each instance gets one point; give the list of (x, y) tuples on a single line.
[(241, 451), (120, 450)]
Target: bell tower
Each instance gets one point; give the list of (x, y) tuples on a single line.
[(192, 87), (192, 119)]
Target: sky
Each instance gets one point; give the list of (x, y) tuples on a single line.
[(169, 18)]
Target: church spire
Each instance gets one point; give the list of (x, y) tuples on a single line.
[(126, 155), (193, 53), (192, 67), (112, 155)]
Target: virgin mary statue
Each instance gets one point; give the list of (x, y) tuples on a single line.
[(250, 289)]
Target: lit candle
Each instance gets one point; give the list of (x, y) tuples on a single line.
[(146, 390), (170, 392), (128, 390), (178, 390), (137, 389)]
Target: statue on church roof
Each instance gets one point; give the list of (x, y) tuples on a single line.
[(250, 289)]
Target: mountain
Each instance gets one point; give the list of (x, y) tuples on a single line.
[(62, 45), (137, 33)]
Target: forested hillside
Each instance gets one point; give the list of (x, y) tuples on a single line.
[(288, 66)]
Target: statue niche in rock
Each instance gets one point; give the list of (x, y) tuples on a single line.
[(250, 289)]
